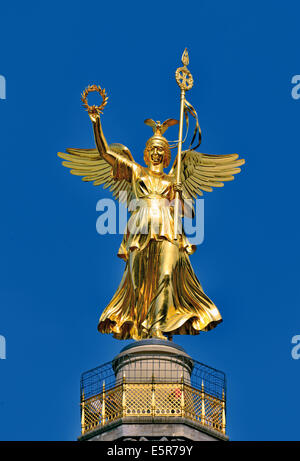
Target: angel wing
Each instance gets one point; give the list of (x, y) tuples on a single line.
[(202, 172), (89, 164)]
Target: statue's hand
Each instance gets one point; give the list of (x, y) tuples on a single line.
[(94, 111), (93, 114), (177, 187)]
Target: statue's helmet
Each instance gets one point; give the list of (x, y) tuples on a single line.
[(158, 139)]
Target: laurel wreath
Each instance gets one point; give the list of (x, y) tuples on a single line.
[(91, 89)]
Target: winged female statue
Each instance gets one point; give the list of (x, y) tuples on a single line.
[(159, 294)]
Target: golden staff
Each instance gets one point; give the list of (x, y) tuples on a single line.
[(185, 82)]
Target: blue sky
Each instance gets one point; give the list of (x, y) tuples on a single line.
[(57, 273)]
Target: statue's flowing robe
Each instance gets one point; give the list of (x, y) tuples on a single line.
[(159, 294)]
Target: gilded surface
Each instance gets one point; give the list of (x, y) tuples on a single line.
[(159, 294)]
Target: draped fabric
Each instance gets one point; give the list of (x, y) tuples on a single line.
[(159, 294)]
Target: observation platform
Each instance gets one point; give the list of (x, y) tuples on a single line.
[(153, 390)]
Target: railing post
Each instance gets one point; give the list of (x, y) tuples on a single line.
[(202, 404), (103, 405), (82, 414), (223, 413), (124, 396), (153, 397), (182, 397)]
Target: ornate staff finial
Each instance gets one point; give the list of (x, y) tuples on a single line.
[(183, 76), (185, 58)]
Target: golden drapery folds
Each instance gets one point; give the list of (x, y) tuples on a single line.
[(159, 293)]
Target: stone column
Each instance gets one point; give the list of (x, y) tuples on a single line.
[(153, 359)]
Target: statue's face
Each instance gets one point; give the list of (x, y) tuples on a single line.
[(156, 154)]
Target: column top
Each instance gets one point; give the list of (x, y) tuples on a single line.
[(153, 342)]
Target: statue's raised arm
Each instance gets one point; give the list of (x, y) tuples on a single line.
[(111, 165), (114, 152)]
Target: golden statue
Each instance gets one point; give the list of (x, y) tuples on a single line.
[(159, 294)]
